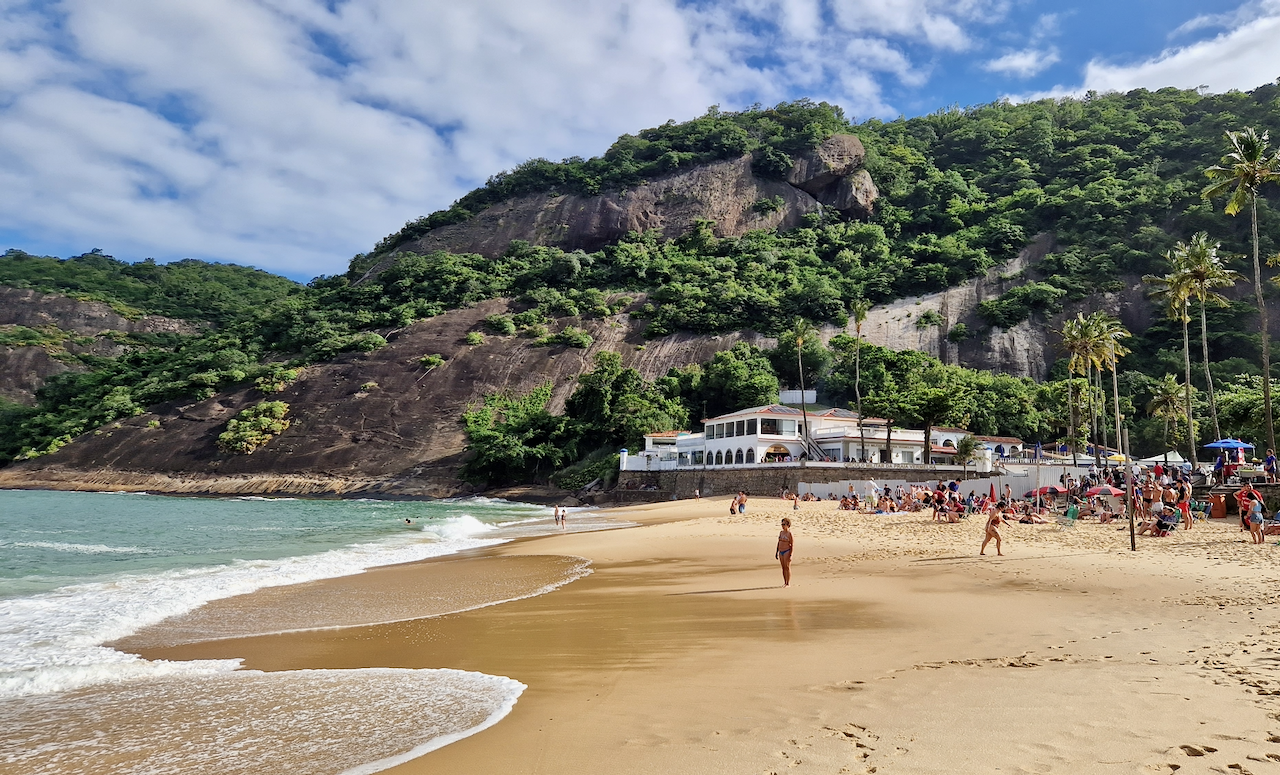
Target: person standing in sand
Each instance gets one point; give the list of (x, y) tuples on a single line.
[(993, 528), (786, 542)]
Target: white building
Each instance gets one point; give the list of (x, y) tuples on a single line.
[(772, 434)]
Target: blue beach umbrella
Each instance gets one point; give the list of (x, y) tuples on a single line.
[(1229, 444)]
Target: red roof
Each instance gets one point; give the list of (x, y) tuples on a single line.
[(999, 439), (944, 450), (665, 434)]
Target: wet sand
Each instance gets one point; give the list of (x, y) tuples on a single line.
[(897, 649)]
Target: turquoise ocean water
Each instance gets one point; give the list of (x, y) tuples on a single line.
[(78, 570)]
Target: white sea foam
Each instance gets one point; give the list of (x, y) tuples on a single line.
[(60, 546), (260, 498), (460, 527), (306, 721), (53, 641)]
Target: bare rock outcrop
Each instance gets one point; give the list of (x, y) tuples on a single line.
[(1024, 350), (726, 192)]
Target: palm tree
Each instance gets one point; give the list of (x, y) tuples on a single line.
[(1107, 333), (1165, 403), (1245, 168), (1174, 290), (859, 307), (1205, 272), (1077, 342)]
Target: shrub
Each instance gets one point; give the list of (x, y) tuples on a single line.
[(369, 387), (501, 324), (254, 427), (958, 333), (528, 318), (569, 337), (429, 362), (277, 380), (930, 318), (771, 205), (153, 423), (1017, 304), (475, 338)]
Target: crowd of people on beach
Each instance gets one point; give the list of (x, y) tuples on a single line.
[(1163, 500)]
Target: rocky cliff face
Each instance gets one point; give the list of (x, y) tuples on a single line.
[(726, 192), (77, 327), (1024, 350), (401, 438)]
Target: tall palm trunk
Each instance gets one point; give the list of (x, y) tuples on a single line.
[(1266, 334), (857, 390), (1102, 413), (1186, 357), (1071, 422), (1093, 415), (1208, 378)]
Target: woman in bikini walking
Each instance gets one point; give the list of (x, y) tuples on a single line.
[(994, 518), (786, 542)]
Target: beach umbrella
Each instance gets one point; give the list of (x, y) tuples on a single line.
[(1104, 489), (1116, 458), (993, 491), (1229, 444), (1048, 489)]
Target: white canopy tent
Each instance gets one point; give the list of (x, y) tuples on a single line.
[(1174, 457)]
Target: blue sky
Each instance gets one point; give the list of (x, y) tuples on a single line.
[(292, 134)]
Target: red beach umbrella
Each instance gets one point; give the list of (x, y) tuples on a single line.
[(1105, 489)]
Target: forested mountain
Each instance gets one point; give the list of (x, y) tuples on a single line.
[(1114, 180)]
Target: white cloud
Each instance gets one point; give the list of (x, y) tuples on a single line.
[(1244, 57), (1024, 63), (293, 133), (1035, 58)]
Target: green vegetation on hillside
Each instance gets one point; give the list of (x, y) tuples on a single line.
[(190, 289), (1114, 179)]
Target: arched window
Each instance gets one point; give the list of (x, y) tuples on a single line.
[(719, 459), (1000, 450), (738, 457), (751, 455), (948, 443)]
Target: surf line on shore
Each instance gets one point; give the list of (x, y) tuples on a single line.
[(55, 663)]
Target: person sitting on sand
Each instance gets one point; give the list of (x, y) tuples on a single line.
[(786, 542), (994, 518)]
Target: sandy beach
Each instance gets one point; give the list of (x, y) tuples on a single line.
[(896, 649)]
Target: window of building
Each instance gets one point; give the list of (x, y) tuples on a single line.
[(787, 427), (719, 459), (906, 456), (738, 457), (728, 430), (751, 454), (769, 425), (697, 457), (751, 427), (741, 429)]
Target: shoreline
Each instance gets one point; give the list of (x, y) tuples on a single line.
[(892, 649), (312, 486)]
